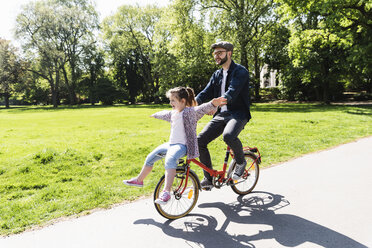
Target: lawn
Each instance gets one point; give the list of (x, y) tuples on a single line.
[(67, 161)]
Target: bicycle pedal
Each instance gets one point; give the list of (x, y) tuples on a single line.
[(207, 188), (229, 183)]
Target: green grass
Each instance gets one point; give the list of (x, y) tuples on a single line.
[(66, 161)]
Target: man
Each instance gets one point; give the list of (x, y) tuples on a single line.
[(231, 82)]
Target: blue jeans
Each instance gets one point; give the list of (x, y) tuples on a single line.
[(172, 153)]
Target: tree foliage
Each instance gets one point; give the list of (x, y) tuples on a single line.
[(54, 34), (189, 45), (325, 36), (129, 36), (246, 24), (11, 70), (319, 48)]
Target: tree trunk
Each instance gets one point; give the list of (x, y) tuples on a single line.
[(6, 97), (132, 99), (91, 88), (72, 91), (326, 82), (69, 87), (149, 81), (369, 86), (54, 95), (57, 88), (244, 59), (318, 93), (54, 86), (256, 76), (326, 92), (156, 87), (91, 94)]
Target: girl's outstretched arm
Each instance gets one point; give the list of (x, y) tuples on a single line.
[(163, 115)]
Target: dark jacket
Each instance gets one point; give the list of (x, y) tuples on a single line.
[(237, 92)]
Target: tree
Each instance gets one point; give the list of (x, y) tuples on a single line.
[(130, 34), (106, 92), (37, 29), (78, 21), (276, 47), (319, 55), (34, 89), (324, 39), (352, 20), (245, 22), (11, 70), (187, 58), (93, 63), (277, 58), (53, 33)]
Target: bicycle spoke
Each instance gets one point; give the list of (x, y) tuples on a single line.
[(248, 181), (179, 205)]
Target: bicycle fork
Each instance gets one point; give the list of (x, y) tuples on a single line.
[(185, 179)]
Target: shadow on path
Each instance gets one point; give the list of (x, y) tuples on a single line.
[(199, 231), (256, 208)]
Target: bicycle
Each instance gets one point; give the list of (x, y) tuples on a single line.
[(186, 185)]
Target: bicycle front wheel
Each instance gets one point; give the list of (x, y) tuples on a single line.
[(249, 179), (180, 204)]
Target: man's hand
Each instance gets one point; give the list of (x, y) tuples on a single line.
[(219, 101)]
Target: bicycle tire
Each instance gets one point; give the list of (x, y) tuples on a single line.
[(246, 184), (178, 205)]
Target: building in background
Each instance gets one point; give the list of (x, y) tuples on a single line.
[(268, 78)]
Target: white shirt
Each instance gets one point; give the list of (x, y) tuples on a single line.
[(177, 135), (223, 85)]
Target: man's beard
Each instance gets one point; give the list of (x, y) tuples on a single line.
[(223, 61)]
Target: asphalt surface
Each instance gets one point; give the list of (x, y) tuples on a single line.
[(322, 199)]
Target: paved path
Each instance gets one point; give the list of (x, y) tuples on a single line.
[(319, 200)]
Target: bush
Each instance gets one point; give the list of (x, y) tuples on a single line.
[(362, 96), (106, 92), (270, 94)]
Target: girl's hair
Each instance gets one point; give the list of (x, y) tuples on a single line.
[(186, 93)]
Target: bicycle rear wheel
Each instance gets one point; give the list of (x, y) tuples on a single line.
[(179, 204), (249, 179)]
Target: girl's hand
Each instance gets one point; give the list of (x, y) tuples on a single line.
[(219, 101)]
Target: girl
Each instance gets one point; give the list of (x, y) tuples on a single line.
[(182, 141)]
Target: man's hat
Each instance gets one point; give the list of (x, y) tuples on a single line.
[(223, 44)]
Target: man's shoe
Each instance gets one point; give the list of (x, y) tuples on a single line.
[(239, 171), (206, 184)]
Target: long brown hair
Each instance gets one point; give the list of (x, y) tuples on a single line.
[(186, 93)]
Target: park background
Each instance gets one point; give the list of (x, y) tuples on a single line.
[(78, 91), (64, 53)]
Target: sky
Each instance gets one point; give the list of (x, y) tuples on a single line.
[(11, 8)]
